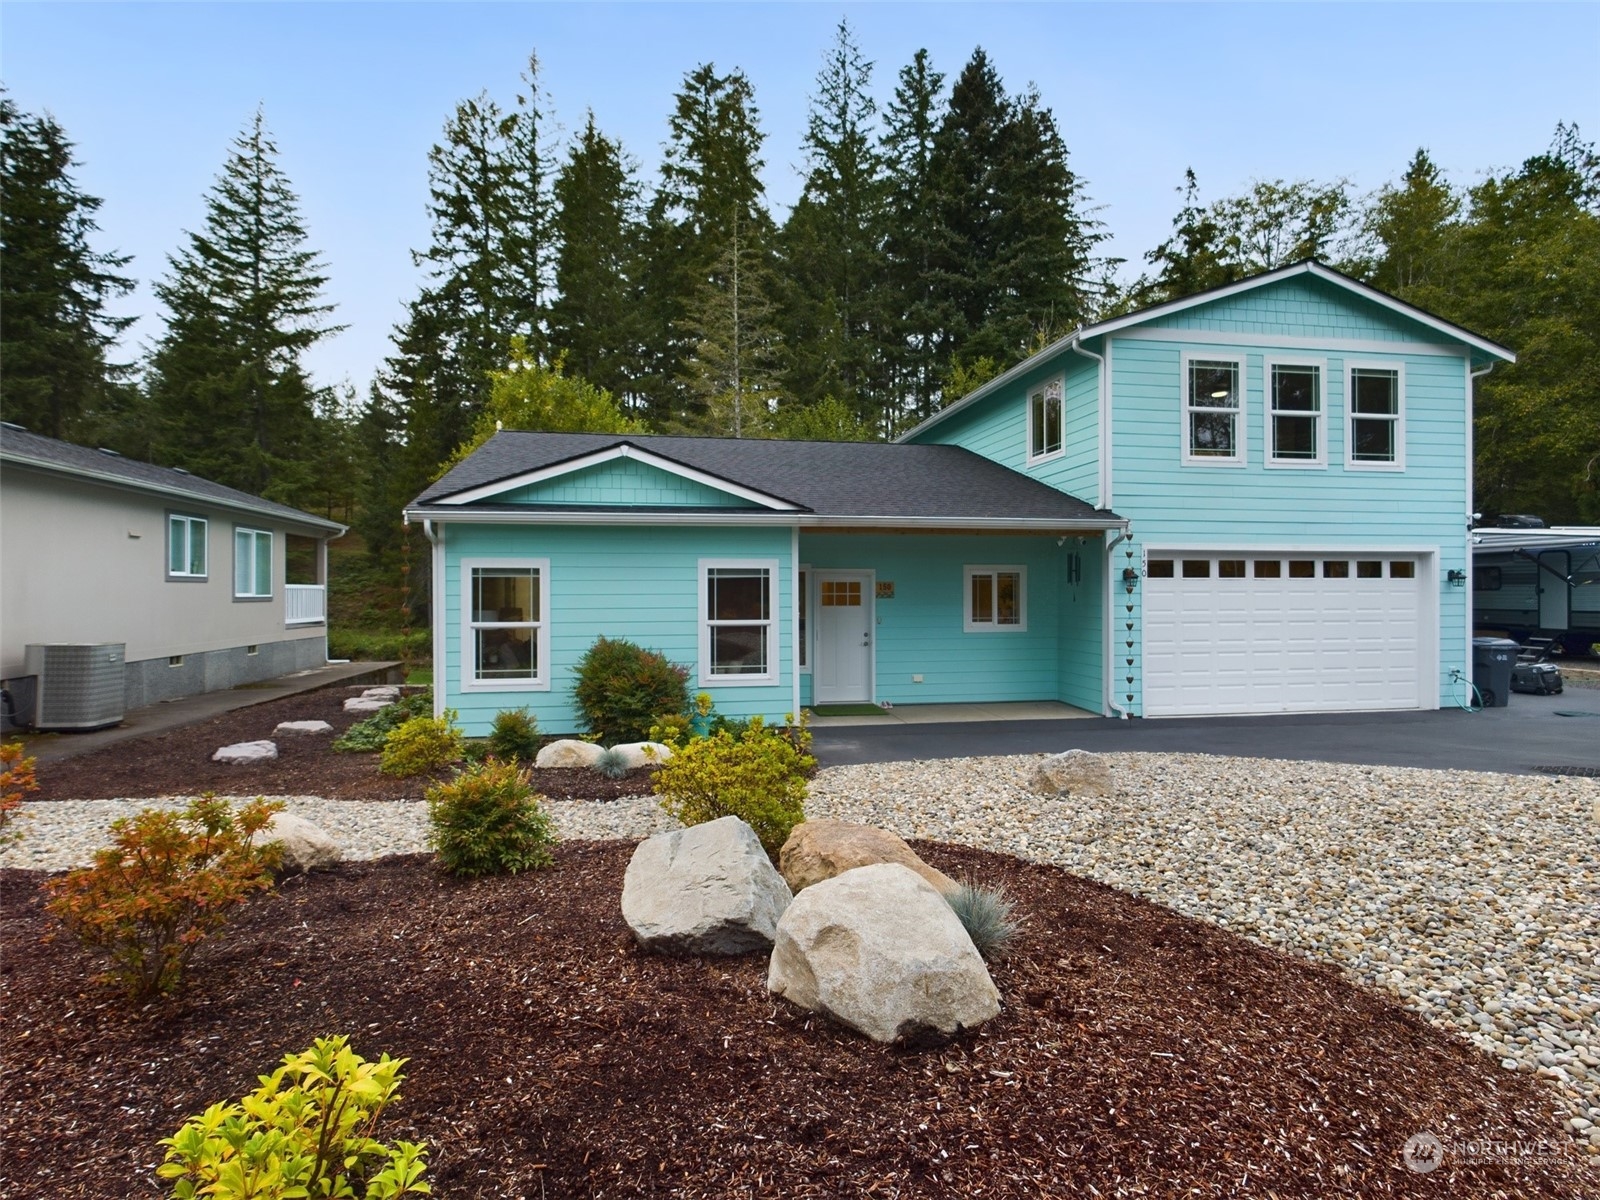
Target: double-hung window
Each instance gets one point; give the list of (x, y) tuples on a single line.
[(507, 632), (996, 599), (1213, 396), (186, 547), (1045, 421), (738, 635), (252, 564), (1295, 435), (1375, 436)]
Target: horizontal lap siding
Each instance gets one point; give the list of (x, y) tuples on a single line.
[(623, 482), (1170, 503), (1080, 620), (919, 632), (637, 584)]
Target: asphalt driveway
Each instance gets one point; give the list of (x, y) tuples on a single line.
[(1532, 734)]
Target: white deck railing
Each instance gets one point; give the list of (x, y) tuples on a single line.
[(307, 603)]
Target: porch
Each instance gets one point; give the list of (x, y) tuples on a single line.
[(950, 714)]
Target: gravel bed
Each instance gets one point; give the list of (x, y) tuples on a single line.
[(1475, 898)]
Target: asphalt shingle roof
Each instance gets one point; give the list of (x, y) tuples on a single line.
[(831, 479), (25, 448)]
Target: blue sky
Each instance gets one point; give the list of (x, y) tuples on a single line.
[(356, 93)]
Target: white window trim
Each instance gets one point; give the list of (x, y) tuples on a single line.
[(968, 625), (770, 565), (806, 650), (1320, 462), (272, 557), (190, 521), (1186, 443), (541, 633), (1059, 382), (1350, 368)]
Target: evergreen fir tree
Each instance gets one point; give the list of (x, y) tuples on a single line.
[(915, 238), (55, 332), (732, 376), (595, 330), (243, 299)]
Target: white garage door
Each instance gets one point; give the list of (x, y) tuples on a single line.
[(1259, 632)]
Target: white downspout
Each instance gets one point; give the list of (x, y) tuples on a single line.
[(436, 614), (1110, 612), (1103, 415), (794, 615)]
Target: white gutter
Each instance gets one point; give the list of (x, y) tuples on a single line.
[(1110, 610), (1041, 525), (1103, 412)]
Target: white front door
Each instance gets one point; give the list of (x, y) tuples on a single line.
[(842, 673)]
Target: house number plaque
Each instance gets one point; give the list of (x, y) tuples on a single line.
[(886, 589)]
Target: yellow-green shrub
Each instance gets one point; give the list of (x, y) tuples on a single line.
[(758, 776), (305, 1132), (421, 745), (487, 821)]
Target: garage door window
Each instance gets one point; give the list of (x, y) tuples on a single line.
[(1301, 569), (1402, 570), (1294, 421), (1336, 568), (1269, 568)]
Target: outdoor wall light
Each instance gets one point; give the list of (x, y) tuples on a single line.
[(1130, 576), (1456, 577)]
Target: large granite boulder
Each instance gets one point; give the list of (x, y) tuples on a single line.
[(879, 950), (301, 728), (643, 754), (708, 889), (305, 846), (818, 850), (1077, 773), (244, 753), (568, 753)]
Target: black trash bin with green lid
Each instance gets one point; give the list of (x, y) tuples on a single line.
[(1492, 660)]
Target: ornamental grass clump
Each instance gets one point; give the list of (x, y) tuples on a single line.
[(613, 764), (623, 689), (306, 1132), (514, 735), (988, 915), (422, 745), (758, 776), (167, 883), (487, 821)]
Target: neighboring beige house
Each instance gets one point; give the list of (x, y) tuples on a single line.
[(205, 587)]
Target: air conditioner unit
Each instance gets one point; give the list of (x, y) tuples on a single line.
[(80, 687)]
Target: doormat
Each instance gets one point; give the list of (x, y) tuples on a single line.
[(847, 710)]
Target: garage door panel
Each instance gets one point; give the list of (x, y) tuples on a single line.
[(1218, 644)]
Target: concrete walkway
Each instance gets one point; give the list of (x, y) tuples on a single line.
[(1529, 736), (170, 714)]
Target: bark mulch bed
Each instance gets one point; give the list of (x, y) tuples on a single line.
[(179, 763), (1139, 1053)]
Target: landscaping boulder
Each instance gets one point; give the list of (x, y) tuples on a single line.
[(1076, 773), (708, 889), (365, 704), (246, 752), (301, 728), (568, 753), (818, 850), (879, 950), (643, 754), (305, 846)]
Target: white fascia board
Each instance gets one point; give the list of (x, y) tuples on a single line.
[(781, 520), (331, 529), (610, 454)]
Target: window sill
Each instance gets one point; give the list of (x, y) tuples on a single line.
[(1390, 468), (721, 681), (970, 628), (1046, 458), (1290, 464), (505, 685), (1214, 462)]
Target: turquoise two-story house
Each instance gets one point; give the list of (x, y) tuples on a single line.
[(1252, 500)]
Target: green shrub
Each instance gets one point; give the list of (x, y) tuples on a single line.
[(671, 727), (759, 777), (421, 745), (487, 821), (515, 735), (988, 915), (368, 737), (167, 882), (364, 645), (613, 764), (305, 1132), (622, 689)]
